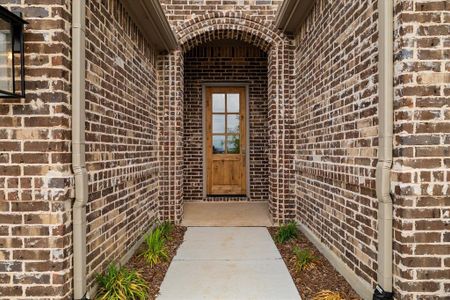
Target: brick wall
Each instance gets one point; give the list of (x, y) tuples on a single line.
[(134, 174), (121, 134), (35, 158), (336, 128), (125, 114), (226, 61), (178, 11), (421, 143), (35, 169)]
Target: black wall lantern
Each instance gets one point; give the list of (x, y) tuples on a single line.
[(12, 61)]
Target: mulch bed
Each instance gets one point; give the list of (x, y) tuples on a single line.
[(155, 275), (321, 277)]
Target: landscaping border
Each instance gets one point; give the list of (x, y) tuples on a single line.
[(154, 275), (361, 287), (126, 258)]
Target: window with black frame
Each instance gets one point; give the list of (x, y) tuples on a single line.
[(12, 60)]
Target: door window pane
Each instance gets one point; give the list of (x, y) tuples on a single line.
[(218, 101), (233, 123), (233, 144), (218, 144), (218, 125), (233, 103)]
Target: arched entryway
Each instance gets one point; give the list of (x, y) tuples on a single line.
[(236, 73), (207, 30)]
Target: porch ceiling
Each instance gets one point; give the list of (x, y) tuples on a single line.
[(292, 13), (150, 17)]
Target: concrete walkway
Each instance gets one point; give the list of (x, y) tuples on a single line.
[(228, 263)]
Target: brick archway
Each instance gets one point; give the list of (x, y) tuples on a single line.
[(229, 25), (259, 33)]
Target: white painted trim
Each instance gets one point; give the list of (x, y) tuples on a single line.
[(247, 117), (363, 288)]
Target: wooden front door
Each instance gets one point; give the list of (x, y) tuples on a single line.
[(226, 140)]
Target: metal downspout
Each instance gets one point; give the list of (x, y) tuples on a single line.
[(78, 149), (383, 180)]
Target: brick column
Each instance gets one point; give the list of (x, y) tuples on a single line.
[(280, 120), (421, 160), (35, 161), (170, 73)]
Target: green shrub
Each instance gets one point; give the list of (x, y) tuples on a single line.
[(286, 232), (156, 247), (121, 284), (304, 259), (166, 229)]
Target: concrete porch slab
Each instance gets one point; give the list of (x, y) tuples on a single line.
[(226, 214), (202, 270)]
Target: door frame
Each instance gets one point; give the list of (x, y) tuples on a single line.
[(239, 84)]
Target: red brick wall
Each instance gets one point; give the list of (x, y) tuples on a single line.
[(421, 169), (225, 62), (336, 127), (121, 134), (35, 162)]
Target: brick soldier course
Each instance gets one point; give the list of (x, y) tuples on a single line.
[(313, 133)]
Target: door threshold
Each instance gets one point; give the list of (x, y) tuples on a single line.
[(226, 198)]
